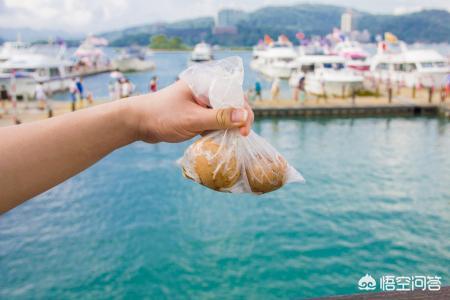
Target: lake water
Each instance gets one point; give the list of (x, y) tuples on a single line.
[(376, 201)]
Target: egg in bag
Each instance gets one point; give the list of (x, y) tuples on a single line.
[(224, 160)]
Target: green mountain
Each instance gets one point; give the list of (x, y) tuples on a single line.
[(423, 26)]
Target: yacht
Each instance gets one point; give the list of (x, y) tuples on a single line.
[(90, 58), (256, 63), (8, 49), (356, 58), (418, 67), (29, 69), (327, 75), (202, 53), (133, 59), (276, 61)]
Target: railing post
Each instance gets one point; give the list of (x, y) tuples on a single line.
[(390, 94), (353, 96), (430, 94)]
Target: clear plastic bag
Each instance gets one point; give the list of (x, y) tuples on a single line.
[(224, 160)]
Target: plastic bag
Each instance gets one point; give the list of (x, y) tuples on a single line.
[(224, 160)]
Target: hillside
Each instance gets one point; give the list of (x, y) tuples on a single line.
[(425, 26)]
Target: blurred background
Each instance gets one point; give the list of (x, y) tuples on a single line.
[(376, 197)]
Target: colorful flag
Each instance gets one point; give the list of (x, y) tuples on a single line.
[(300, 35), (267, 39), (391, 38)]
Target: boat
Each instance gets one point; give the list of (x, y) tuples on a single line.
[(28, 69), (132, 59), (276, 61), (90, 58), (257, 50), (8, 49), (327, 75), (412, 68), (356, 58), (202, 53)]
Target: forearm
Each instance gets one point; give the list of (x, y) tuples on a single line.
[(36, 156)]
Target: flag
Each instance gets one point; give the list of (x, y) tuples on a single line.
[(283, 39), (300, 35), (267, 39), (389, 37)]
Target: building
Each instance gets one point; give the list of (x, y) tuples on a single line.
[(346, 22), (227, 20)]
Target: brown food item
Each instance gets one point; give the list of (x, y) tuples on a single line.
[(216, 170), (266, 174)]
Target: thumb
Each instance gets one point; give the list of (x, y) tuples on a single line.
[(224, 118)]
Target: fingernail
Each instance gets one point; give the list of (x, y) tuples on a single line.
[(239, 115)]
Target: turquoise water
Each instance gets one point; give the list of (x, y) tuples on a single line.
[(376, 201)]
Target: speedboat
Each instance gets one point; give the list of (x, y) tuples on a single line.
[(202, 53), (411, 68), (355, 57), (277, 61), (27, 70), (327, 75), (132, 59)]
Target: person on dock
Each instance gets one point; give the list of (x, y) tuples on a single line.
[(258, 90), (127, 88), (73, 90), (275, 90), (40, 95), (80, 89), (39, 155), (153, 86), (4, 97)]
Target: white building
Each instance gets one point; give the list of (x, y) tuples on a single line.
[(346, 22)]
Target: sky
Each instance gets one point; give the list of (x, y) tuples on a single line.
[(93, 16)]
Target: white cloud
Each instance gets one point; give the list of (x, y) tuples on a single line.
[(101, 15)]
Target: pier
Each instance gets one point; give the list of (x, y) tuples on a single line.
[(401, 104)]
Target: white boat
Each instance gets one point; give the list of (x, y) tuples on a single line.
[(27, 70), (418, 67), (256, 63), (202, 53), (90, 58), (132, 59), (8, 49), (277, 61), (355, 57), (327, 75)]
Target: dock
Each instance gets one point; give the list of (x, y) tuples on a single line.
[(400, 104)]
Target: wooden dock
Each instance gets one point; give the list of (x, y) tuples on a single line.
[(400, 105)]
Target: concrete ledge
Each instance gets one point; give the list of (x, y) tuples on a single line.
[(353, 110)]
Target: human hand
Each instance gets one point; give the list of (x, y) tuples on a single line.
[(173, 115)]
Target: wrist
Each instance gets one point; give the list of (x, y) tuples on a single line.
[(128, 117)]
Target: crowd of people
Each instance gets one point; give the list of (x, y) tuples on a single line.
[(297, 84), (121, 87)]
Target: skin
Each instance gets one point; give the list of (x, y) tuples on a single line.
[(36, 156)]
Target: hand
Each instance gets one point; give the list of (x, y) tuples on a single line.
[(173, 115)]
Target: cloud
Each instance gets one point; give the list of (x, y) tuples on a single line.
[(104, 15)]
